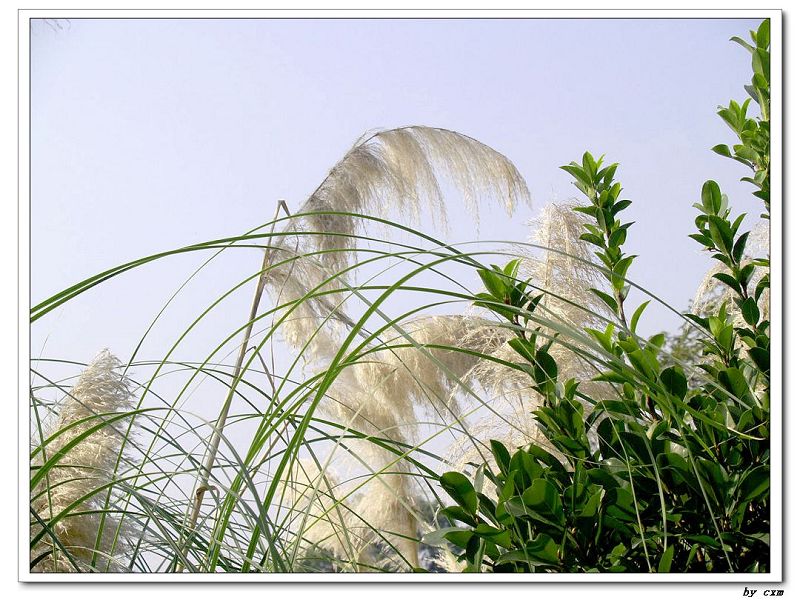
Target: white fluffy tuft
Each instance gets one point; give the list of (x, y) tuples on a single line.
[(402, 170), (87, 466)]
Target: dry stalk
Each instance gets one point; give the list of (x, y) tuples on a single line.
[(216, 437)]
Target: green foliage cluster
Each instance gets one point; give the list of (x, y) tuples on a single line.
[(753, 134), (669, 473)]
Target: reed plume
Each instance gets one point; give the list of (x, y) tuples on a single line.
[(81, 475), (562, 268), (398, 171), (402, 171), (320, 519), (380, 395), (385, 390)]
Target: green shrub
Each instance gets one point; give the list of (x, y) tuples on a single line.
[(666, 472)]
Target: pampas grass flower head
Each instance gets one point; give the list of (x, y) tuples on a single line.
[(82, 475)]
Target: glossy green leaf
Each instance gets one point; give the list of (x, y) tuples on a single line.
[(494, 283), (542, 550), (674, 381), (665, 563), (461, 490), (755, 483), (750, 311), (711, 197)]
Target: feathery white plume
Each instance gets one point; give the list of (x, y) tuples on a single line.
[(564, 268), (378, 395), (319, 516), (87, 466), (388, 505), (566, 271), (381, 391), (315, 319), (400, 170)]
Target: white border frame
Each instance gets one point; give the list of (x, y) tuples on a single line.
[(776, 299)]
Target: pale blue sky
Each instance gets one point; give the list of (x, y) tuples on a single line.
[(152, 134)]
